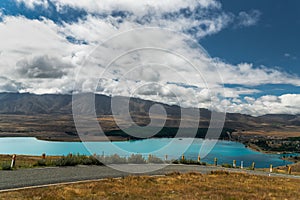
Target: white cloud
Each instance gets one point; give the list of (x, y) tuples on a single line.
[(139, 8), (43, 67), (237, 91), (249, 99), (287, 55), (205, 17), (22, 54), (7, 85), (36, 57), (291, 100), (246, 74), (33, 49), (95, 29), (268, 104), (248, 18), (269, 98), (32, 3)]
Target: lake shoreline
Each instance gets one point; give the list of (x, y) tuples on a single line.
[(233, 150), (122, 139)]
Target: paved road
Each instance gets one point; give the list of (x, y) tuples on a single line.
[(43, 176)]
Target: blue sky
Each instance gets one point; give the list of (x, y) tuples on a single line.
[(252, 44), (273, 41)]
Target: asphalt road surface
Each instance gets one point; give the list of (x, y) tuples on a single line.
[(53, 175)]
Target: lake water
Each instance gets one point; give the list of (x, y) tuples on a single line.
[(225, 151)]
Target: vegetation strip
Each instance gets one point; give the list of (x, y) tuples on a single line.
[(73, 160)]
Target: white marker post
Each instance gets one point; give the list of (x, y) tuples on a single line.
[(13, 161), (271, 168), (234, 163), (253, 166), (242, 164)]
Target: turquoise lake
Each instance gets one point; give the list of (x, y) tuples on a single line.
[(225, 151)]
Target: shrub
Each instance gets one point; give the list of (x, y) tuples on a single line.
[(154, 159), (91, 160), (76, 160), (41, 162), (219, 172), (193, 173), (227, 165), (175, 173), (189, 162), (175, 162), (66, 161), (114, 159), (136, 159), (87, 161), (6, 166)]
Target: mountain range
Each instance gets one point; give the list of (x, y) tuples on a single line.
[(24, 112)]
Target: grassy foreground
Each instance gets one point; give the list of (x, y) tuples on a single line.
[(217, 185)]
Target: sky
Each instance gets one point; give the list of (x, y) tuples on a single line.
[(238, 56)]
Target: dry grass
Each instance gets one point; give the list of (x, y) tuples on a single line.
[(296, 167), (289, 132), (284, 169), (218, 185), (23, 161)]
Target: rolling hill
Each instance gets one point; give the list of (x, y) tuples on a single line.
[(24, 113)]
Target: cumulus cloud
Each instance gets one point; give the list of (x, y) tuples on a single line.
[(249, 99), (136, 7), (197, 17), (268, 104), (37, 56), (95, 29), (43, 67), (249, 75), (248, 18), (290, 100), (7, 85), (32, 3), (33, 50)]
